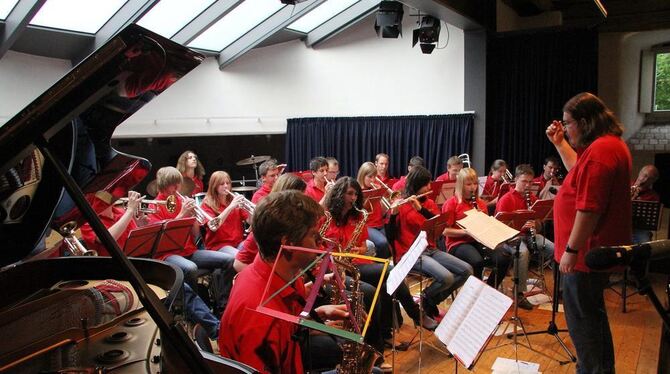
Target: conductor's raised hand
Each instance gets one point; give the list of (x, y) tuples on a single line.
[(555, 132)]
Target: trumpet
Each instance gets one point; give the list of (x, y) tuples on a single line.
[(393, 195), (73, 244), (408, 199), (634, 191), (246, 205), (466, 160), (202, 217), (149, 206)]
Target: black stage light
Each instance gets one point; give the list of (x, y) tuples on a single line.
[(427, 34), (292, 2), (389, 19)]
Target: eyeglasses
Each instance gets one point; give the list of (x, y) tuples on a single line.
[(566, 123)]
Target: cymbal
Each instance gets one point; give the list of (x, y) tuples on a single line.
[(244, 188), (187, 186), (252, 160), (152, 188)]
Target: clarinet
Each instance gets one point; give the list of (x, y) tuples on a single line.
[(473, 201), (531, 231)]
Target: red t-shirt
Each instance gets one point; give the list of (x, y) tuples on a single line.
[(389, 181), (456, 211), (400, 184), (230, 232), (254, 338), (91, 239), (261, 193), (648, 195), (249, 250), (444, 177), (598, 182), (495, 188), (314, 192), (162, 214), (343, 234), (375, 213), (512, 201), (409, 222)]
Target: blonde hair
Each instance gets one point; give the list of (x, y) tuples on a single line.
[(215, 180), (289, 182), (465, 175), (166, 177), (181, 164), (367, 169)]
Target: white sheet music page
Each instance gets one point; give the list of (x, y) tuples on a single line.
[(485, 229), (459, 309), (402, 268)]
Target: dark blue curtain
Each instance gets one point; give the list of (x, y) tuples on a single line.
[(529, 78), (354, 140)]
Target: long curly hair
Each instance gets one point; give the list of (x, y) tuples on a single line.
[(215, 180), (593, 118), (181, 164), (334, 201)]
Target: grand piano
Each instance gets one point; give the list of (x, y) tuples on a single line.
[(88, 314)]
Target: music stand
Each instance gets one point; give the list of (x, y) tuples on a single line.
[(158, 239), (442, 191), (372, 195)]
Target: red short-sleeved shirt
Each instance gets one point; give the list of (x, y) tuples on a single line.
[(409, 225), (400, 184), (387, 180), (513, 200), (598, 182), (314, 192), (444, 177), (91, 239), (375, 213), (456, 211), (249, 250), (261, 193), (254, 338), (162, 214), (230, 232), (495, 188), (342, 235)]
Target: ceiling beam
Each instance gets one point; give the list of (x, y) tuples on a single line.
[(278, 21), (130, 12), (341, 22), (17, 21), (204, 20)]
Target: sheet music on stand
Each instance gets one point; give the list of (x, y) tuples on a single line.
[(402, 268), (486, 229), (157, 239), (471, 320)]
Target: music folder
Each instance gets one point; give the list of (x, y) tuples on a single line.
[(158, 239)]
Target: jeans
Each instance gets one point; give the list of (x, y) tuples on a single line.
[(586, 316), (201, 259), (523, 262), (378, 236), (477, 256), (198, 312), (447, 271)]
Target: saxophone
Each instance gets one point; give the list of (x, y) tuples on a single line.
[(357, 230), (531, 231)]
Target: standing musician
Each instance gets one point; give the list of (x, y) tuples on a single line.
[(228, 210), (520, 198), (548, 181), (190, 167), (413, 162), (462, 245), (270, 344), (189, 258), (447, 271), (454, 165), (495, 185), (319, 185), (591, 210), (382, 161), (269, 171), (376, 211)]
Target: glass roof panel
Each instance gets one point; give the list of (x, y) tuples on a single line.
[(76, 15), (169, 16), (6, 6), (320, 14), (238, 22)]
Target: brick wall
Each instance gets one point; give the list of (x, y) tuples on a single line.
[(655, 138)]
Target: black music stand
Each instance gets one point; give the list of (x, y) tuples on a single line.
[(158, 239)]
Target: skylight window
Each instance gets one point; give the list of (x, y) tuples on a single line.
[(6, 6), (76, 15), (320, 14), (238, 22), (169, 16)]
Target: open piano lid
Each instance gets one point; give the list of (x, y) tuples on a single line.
[(77, 116)]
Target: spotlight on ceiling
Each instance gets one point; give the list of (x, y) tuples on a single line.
[(292, 2), (427, 34), (389, 19)]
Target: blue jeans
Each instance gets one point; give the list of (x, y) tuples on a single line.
[(447, 271), (587, 321), (198, 312), (201, 259), (377, 235), (477, 256)]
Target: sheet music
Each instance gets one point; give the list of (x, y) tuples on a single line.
[(402, 268), (459, 309), (485, 229)]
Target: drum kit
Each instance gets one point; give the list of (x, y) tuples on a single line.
[(187, 185)]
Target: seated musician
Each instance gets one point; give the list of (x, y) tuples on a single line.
[(548, 181), (413, 162), (376, 210), (495, 185), (454, 165), (448, 272), (269, 344), (269, 171), (333, 169), (643, 189), (229, 212), (190, 167), (520, 198), (317, 187), (189, 258), (382, 161), (462, 245)]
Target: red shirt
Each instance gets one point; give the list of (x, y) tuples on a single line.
[(91, 239), (495, 188), (512, 201), (261, 193), (162, 214), (255, 338), (375, 213), (455, 212), (648, 195), (314, 192), (444, 177), (343, 234), (598, 182), (249, 250), (409, 221), (197, 183), (400, 185), (389, 181), (230, 232)]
